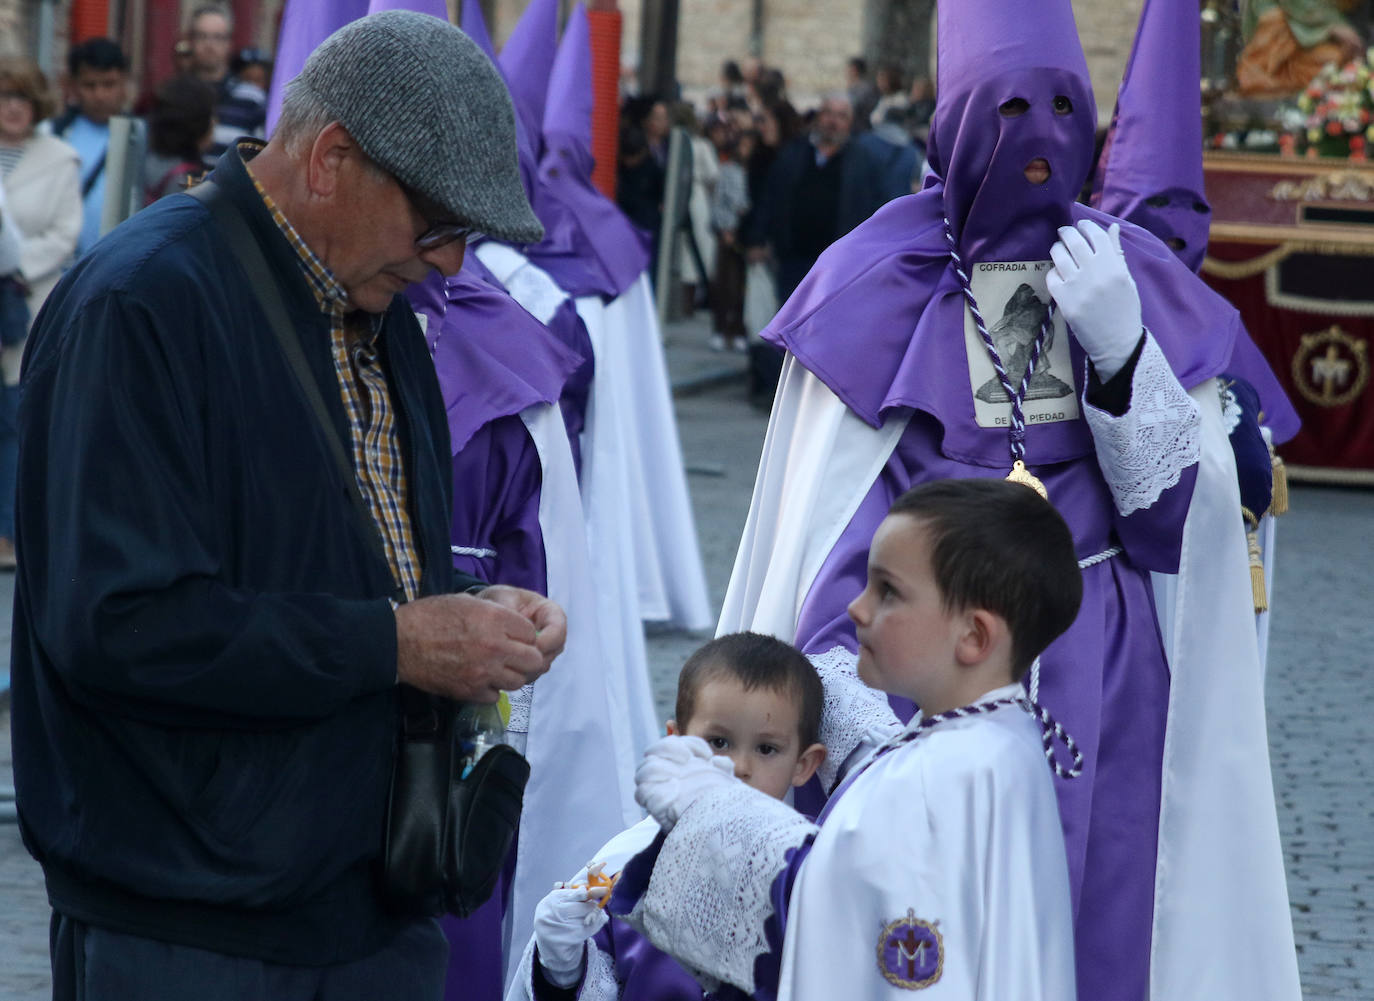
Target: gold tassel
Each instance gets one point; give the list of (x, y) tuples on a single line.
[(1279, 505), (1257, 588)]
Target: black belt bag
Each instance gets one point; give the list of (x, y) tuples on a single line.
[(446, 837)]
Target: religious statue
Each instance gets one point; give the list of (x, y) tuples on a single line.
[(1289, 41)]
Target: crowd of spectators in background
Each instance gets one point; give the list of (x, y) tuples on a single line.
[(769, 187), (53, 170)]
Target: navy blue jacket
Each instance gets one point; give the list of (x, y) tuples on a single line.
[(204, 655)]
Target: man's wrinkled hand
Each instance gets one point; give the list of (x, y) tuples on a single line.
[(547, 617), (466, 647)]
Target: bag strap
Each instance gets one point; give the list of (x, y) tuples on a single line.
[(89, 181), (245, 247)]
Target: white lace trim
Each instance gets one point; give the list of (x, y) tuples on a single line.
[(1231, 412), (1144, 452), (598, 979), (520, 701), (711, 888), (855, 716)]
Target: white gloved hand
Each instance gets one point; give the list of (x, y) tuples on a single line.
[(674, 772), (1096, 293), (563, 921)]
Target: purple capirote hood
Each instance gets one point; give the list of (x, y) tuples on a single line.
[(1150, 171), (474, 24), (493, 358), (885, 299), (527, 60), (1013, 88), (434, 8), (304, 25), (589, 246)]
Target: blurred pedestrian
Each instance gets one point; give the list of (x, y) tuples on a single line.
[(891, 93), (98, 89), (41, 175), (728, 206), (239, 111), (696, 251), (180, 130), (863, 94)]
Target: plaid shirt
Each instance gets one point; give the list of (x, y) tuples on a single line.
[(377, 456)]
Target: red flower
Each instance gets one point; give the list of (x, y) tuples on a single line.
[(1334, 128), (1356, 143)]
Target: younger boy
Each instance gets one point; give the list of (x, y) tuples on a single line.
[(939, 863), (756, 703)]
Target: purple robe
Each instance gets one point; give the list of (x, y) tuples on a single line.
[(886, 299)]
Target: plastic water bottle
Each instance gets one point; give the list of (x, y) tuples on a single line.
[(479, 728)]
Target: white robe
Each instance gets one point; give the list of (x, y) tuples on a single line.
[(960, 830), (625, 671), (1222, 929), (630, 365), (581, 784)]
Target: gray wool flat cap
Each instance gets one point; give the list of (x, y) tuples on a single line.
[(425, 103)]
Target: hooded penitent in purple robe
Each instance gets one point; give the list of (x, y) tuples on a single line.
[(493, 361), (880, 322), (1150, 171)]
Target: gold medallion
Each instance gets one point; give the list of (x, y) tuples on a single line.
[(1020, 474)]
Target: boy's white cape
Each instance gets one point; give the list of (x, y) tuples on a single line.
[(1222, 929)]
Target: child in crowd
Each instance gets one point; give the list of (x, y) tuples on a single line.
[(939, 861), (756, 703)]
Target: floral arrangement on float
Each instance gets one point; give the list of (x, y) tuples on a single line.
[(1334, 115)]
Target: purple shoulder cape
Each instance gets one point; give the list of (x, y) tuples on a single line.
[(493, 358), (880, 317)]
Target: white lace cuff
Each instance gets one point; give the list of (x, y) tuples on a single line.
[(598, 979), (856, 717), (1144, 452), (520, 701), (711, 888), (598, 982)]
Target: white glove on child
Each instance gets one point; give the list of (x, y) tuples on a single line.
[(1096, 293), (674, 772), (563, 921)]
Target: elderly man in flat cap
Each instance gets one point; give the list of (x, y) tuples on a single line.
[(234, 542)]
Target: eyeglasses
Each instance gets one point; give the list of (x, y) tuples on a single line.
[(210, 36), (437, 234)]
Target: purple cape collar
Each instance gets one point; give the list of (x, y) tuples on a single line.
[(880, 321), (493, 358)]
